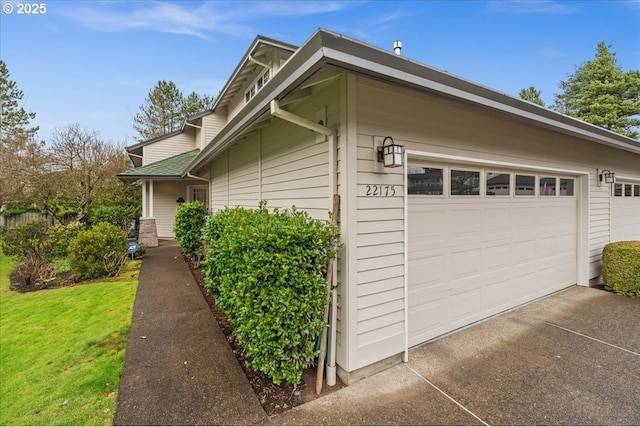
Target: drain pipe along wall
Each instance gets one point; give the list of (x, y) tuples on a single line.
[(330, 135)]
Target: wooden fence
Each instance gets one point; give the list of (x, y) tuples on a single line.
[(23, 218)]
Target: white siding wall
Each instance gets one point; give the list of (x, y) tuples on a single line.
[(427, 123), (599, 224), (168, 147)]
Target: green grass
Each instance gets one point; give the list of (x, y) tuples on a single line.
[(62, 350)]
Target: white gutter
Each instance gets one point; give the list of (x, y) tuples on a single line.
[(330, 133), (197, 177)]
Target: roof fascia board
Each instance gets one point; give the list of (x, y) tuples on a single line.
[(300, 66), (407, 72), (152, 140), (245, 58)]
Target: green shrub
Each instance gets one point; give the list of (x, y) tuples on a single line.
[(621, 267), (98, 252), (120, 215), (190, 219), (60, 236), (267, 272), (28, 239)]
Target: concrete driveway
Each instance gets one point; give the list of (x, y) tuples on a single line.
[(569, 359)]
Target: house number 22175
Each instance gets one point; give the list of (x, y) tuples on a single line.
[(381, 190)]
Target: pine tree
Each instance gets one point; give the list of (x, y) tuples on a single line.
[(161, 113), (166, 108), (600, 93), (195, 103), (531, 94), (14, 120)]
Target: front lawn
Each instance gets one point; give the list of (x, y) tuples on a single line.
[(62, 350)]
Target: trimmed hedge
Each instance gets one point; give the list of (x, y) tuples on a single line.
[(621, 267), (267, 272), (190, 220)]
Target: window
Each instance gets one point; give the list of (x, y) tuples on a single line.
[(617, 190), (636, 190), (566, 187), (628, 190), (498, 184), (199, 192), (547, 186), (525, 185), (424, 181), (465, 183), (257, 85)]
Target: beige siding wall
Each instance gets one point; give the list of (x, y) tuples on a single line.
[(282, 163), (168, 147), (165, 194), (212, 124), (438, 125)]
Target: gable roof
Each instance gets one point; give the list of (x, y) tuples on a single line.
[(171, 167), (328, 50), (261, 47)]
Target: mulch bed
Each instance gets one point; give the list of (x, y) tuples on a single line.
[(275, 399)]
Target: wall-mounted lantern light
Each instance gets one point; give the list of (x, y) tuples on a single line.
[(607, 176), (180, 200), (389, 153)]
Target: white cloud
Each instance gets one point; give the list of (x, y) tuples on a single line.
[(531, 6), (198, 19)]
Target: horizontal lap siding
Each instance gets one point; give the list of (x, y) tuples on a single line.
[(244, 173), (380, 317), (212, 125), (168, 147), (219, 183), (165, 195)]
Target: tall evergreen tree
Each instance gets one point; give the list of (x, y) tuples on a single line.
[(165, 108), (531, 94), (600, 93), (195, 103), (161, 112), (21, 155), (14, 120)]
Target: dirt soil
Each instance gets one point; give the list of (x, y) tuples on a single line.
[(275, 399), (60, 280)]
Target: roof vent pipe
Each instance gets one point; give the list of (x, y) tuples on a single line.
[(397, 47)]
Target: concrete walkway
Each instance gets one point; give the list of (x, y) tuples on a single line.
[(179, 368), (569, 359)]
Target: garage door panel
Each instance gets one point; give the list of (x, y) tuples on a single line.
[(625, 218), (497, 257), (524, 251), (497, 297), (466, 264), (491, 255)]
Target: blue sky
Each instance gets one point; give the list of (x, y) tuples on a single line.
[(93, 62)]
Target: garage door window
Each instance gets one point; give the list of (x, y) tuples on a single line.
[(636, 190), (426, 181), (566, 187), (628, 190), (617, 190), (465, 183), (547, 186), (498, 184), (525, 185)]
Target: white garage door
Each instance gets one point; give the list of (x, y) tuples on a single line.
[(625, 212), (482, 241)]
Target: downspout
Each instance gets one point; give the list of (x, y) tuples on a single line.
[(320, 128)]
